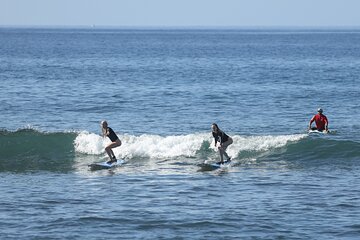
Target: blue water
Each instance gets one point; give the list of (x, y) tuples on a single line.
[(160, 90)]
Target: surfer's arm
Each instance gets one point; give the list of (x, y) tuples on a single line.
[(311, 121), (214, 138), (106, 133), (326, 124)]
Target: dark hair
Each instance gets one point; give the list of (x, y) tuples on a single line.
[(217, 127)]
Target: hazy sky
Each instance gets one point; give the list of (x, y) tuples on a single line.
[(180, 12)]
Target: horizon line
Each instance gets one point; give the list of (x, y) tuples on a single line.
[(94, 26)]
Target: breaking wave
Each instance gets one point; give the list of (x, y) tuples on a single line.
[(29, 149)]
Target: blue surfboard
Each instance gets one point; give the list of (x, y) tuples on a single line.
[(214, 166), (105, 165)]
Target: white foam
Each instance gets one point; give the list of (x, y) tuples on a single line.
[(89, 143), (155, 146), (261, 143)]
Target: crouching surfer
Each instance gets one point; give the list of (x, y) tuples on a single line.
[(115, 141), (224, 141)]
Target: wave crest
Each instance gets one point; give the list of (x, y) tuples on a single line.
[(155, 146)]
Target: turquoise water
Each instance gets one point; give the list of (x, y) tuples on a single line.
[(160, 90)]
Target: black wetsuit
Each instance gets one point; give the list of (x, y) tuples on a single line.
[(220, 136), (112, 135)]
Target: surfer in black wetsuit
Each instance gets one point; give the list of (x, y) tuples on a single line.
[(224, 141), (115, 141)]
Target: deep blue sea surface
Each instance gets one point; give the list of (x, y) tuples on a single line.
[(160, 90)]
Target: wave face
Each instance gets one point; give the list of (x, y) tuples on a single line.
[(31, 150), (321, 150)]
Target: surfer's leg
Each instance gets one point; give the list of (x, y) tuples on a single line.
[(227, 143), (109, 150), (112, 154), (224, 147), (221, 152), (226, 156)]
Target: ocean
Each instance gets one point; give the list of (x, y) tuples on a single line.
[(160, 90)]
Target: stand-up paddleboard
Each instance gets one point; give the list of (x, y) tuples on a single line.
[(105, 165), (213, 166)]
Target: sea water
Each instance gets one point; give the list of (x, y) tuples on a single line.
[(160, 90)]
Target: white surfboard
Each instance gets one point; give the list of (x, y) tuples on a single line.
[(318, 132), (105, 165)]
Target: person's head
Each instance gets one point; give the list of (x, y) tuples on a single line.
[(214, 127), (104, 124), (320, 111)]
